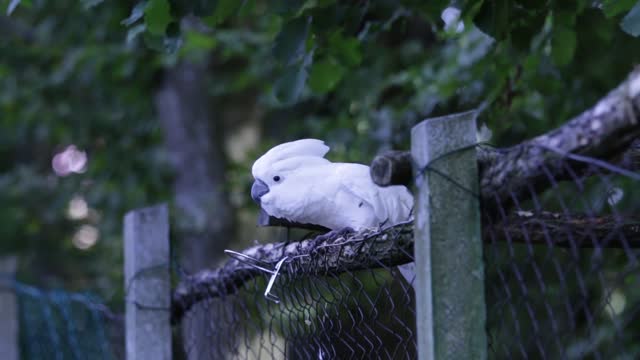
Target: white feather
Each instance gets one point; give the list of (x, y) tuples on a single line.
[(303, 147), (314, 190)]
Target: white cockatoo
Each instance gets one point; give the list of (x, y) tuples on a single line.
[(293, 181)]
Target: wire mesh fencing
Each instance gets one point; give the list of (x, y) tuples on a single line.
[(62, 325), (321, 299), (561, 260), (561, 279)]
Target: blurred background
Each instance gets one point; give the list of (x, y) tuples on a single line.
[(107, 106)]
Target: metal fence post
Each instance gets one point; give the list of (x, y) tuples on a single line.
[(147, 281), (450, 305), (9, 325)]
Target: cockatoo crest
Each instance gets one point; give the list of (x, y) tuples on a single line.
[(295, 149)]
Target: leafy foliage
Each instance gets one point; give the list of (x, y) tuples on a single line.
[(357, 73)]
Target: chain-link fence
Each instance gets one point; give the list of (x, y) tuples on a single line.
[(562, 263), (561, 234), (561, 281), (341, 298)]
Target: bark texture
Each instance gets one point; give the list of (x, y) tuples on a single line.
[(607, 130), (194, 144), (204, 217), (394, 246), (365, 250)]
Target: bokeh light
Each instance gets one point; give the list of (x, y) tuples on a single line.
[(85, 237), (70, 160), (78, 208)]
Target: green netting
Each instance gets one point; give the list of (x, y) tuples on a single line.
[(61, 325)]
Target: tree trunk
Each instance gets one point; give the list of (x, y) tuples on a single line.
[(204, 218)]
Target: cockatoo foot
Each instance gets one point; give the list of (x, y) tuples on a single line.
[(333, 234)]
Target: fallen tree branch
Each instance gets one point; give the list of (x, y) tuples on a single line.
[(394, 246), (605, 131), (395, 167), (365, 250), (390, 168)]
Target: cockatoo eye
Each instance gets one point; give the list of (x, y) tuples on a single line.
[(276, 178)]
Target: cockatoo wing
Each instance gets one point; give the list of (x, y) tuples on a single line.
[(355, 179), (318, 195), (390, 204)]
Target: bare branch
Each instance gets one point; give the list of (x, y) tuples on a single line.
[(364, 250), (392, 168), (605, 131), (394, 246)]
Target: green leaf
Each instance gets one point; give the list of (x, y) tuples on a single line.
[(166, 44), (631, 22), (89, 4), (493, 18), (614, 7), (290, 44), (346, 49), (199, 8), (154, 42), (224, 9), (530, 24), (157, 16), (531, 4), (173, 38), (202, 8), (563, 45), (134, 32), (432, 9), (285, 7), (198, 42), (325, 75), (290, 85), (136, 14), (13, 4)]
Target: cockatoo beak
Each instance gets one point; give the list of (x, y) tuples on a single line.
[(258, 189)]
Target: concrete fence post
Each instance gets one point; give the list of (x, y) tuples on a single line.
[(450, 305), (9, 324), (147, 281)]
